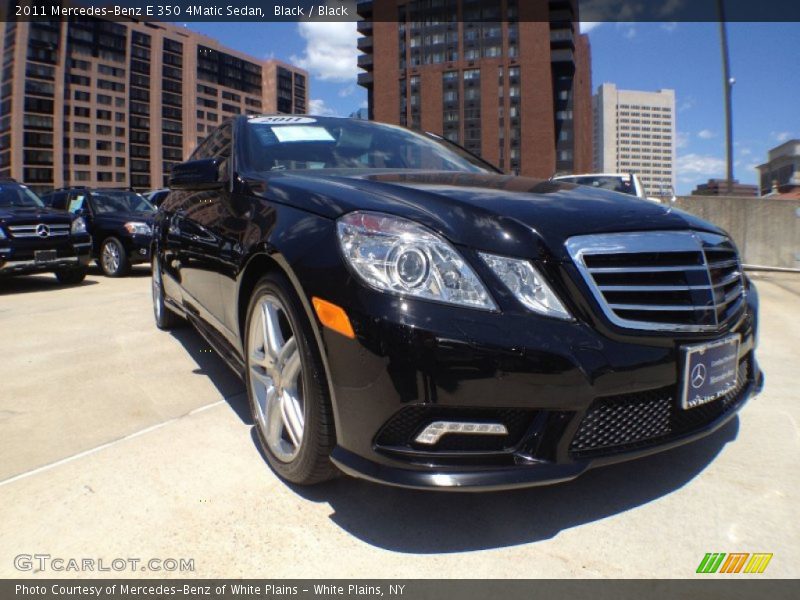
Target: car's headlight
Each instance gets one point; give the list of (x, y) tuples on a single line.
[(397, 255), (78, 226), (137, 228), (527, 285)]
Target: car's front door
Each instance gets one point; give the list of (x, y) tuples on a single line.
[(77, 203), (192, 236)]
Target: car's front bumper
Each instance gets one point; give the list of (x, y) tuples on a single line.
[(138, 248), (414, 362), (20, 258)]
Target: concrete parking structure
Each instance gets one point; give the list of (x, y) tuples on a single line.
[(119, 440)]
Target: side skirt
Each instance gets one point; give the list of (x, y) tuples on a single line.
[(220, 345)]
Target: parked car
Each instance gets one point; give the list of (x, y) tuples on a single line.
[(625, 183), (156, 197), (119, 220), (35, 239), (401, 310)]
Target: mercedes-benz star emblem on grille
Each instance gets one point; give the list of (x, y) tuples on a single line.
[(42, 230), (698, 375)]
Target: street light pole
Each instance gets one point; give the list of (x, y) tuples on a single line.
[(728, 86)]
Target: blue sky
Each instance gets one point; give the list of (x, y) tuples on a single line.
[(765, 60)]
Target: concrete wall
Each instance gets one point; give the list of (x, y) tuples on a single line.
[(766, 230)]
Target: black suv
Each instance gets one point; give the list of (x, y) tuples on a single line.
[(35, 239), (119, 220)]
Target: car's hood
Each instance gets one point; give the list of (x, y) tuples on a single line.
[(496, 213), (124, 217), (40, 215)]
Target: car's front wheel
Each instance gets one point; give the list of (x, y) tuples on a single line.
[(165, 318), (286, 385), (70, 276), (113, 258)]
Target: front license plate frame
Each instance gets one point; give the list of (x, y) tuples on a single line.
[(45, 256), (709, 371)]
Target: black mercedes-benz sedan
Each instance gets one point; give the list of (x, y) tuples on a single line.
[(403, 312)]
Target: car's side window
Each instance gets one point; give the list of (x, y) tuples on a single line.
[(55, 200)]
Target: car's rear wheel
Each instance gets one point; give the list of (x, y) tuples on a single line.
[(113, 259), (286, 386), (71, 276), (165, 318)]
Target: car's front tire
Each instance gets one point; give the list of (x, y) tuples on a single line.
[(165, 318), (286, 385), (70, 276), (114, 259)]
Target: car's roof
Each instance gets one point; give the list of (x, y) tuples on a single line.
[(593, 175), (278, 118)]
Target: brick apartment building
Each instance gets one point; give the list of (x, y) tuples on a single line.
[(101, 103), (510, 80)]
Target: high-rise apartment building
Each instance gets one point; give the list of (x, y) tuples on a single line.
[(509, 80), (101, 103), (635, 133)]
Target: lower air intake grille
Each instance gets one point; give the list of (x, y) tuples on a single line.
[(403, 427), (630, 421)]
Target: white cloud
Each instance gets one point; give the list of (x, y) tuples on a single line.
[(745, 152), (317, 106), (706, 134), (682, 140), (669, 27), (587, 26), (687, 104), (346, 91), (364, 104), (330, 53), (697, 167), (781, 136)]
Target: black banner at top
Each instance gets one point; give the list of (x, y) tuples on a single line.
[(392, 10)]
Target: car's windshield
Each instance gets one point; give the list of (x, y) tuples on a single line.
[(303, 143), (108, 201), (16, 195), (606, 182)]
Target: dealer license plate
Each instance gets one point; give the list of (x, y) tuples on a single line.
[(709, 371), (44, 256)]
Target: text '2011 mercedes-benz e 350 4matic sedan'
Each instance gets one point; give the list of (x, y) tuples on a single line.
[(403, 312)]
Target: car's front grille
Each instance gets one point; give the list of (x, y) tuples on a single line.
[(39, 230), (670, 280), (630, 421)]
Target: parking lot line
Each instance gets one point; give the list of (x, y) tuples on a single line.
[(125, 438)]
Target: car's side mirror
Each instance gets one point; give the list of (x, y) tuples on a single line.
[(204, 174)]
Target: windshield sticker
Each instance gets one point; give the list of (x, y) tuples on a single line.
[(281, 120), (302, 133)]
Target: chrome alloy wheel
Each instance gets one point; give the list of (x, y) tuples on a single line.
[(276, 382), (110, 257)]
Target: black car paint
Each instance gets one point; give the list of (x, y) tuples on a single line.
[(16, 254), (103, 225), (214, 244)]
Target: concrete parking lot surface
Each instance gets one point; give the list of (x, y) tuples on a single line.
[(121, 441)]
